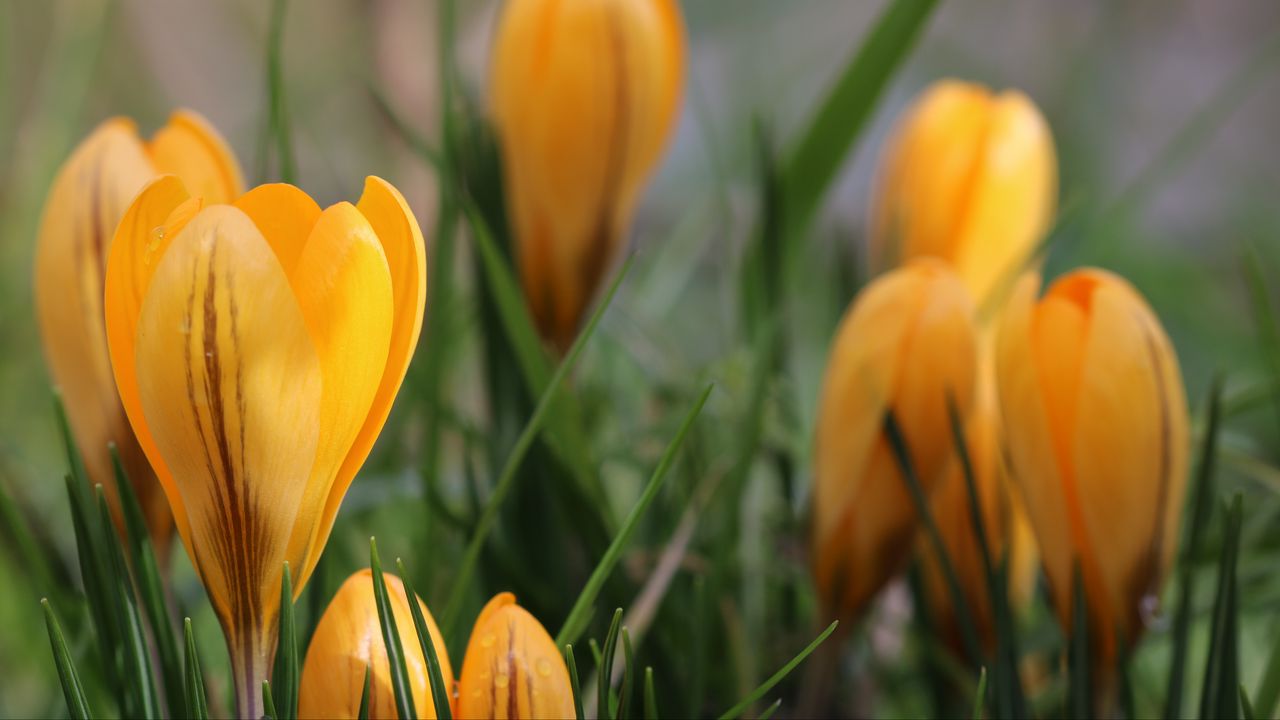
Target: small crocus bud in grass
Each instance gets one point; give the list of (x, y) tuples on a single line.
[(1095, 421), (257, 347), (584, 95), (1008, 532), (348, 639), (512, 668), (906, 342), (969, 176), (89, 195)]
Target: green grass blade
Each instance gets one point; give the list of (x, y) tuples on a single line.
[(93, 563), (278, 115), (1221, 676), (605, 673), (1269, 685), (147, 576), (286, 673), (1267, 328), (197, 704), (268, 704), (777, 677), (1246, 707), (1199, 507), (964, 614), (821, 150), (135, 653), (650, 698), (391, 639), (1079, 680), (506, 479), (439, 692), (628, 678), (574, 683), (72, 689), (580, 615), (38, 565), (416, 141), (980, 695), (363, 714), (769, 712)]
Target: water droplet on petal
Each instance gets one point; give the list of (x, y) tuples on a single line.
[(502, 681), (543, 667), (488, 640)]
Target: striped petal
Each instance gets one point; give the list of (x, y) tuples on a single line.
[(512, 668), (190, 148), (230, 386)]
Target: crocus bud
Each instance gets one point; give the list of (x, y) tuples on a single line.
[(258, 347), (969, 176), (1095, 423), (88, 197), (906, 342), (513, 668), (584, 96), (348, 639)]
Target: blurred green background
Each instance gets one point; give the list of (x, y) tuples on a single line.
[(1164, 114)]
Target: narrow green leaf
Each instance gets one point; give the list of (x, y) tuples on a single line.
[(72, 689), (416, 141), (964, 615), (439, 692), (769, 712), (134, 650), (147, 576), (1009, 697), (197, 704), (1267, 328), (364, 695), (101, 601), (1219, 698), (506, 479), (69, 443), (1269, 685), (779, 676), (605, 673), (1079, 667), (980, 696), (650, 698), (28, 555), (573, 682), (583, 607), (391, 639), (278, 115), (628, 678), (268, 704), (286, 672), (1246, 708), (1199, 506), (831, 133)]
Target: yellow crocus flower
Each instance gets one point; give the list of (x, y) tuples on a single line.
[(1096, 429), (969, 176), (257, 347), (584, 96), (906, 341), (348, 639), (89, 195), (513, 669)]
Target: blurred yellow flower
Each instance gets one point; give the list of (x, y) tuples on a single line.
[(89, 195), (257, 348), (584, 96), (969, 176), (512, 668), (907, 340), (348, 639), (1096, 430)]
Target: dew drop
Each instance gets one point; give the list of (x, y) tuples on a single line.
[(502, 681), (543, 667), (488, 640)]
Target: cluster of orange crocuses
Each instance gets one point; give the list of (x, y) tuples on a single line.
[(242, 350), (1073, 406)]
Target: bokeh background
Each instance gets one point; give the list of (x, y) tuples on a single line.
[(1164, 113)]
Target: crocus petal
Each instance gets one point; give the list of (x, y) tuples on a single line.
[(512, 668), (344, 289), (285, 215), (230, 385), (190, 148), (389, 216)]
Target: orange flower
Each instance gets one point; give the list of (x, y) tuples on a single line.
[(87, 199), (1096, 428), (584, 97), (513, 668), (907, 340), (348, 639)]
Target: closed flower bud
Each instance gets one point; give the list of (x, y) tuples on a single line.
[(1096, 428), (89, 195), (906, 342), (513, 668), (348, 639), (969, 176), (584, 95), (257, 347)]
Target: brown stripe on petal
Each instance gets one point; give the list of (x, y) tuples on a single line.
[(513, 677)]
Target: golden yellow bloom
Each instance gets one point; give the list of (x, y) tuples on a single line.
[(585, 94), (348, 639), (88, 197), (257, 348), (1009, 533), (969, 176), (513, 668), (907, 340), (1096, 430)]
